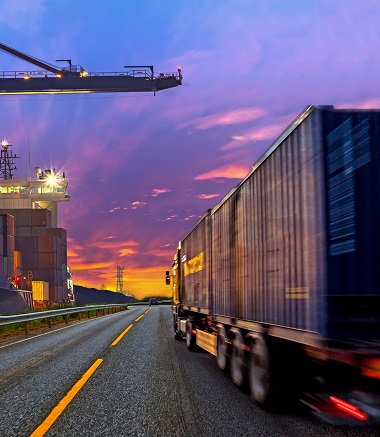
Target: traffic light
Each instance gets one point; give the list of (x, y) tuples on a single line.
[(17, 281), (167, 279)]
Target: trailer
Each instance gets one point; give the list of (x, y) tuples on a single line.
[(281, 279)]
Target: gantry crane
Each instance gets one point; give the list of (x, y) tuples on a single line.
[(75, 79)]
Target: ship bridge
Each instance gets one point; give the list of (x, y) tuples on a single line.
[(44, 192)]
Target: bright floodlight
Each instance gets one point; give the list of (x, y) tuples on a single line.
[(4, 143), (52, 180)]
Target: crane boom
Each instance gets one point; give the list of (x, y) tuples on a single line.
[(76, 80), (30, 59)]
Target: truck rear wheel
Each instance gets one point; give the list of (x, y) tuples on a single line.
[(190, 337), (259, 371), (221, 357), (237, 359)]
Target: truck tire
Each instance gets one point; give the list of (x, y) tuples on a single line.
[(177, 335), (190, 337), (237, 358), (222, 356), (259, 371)]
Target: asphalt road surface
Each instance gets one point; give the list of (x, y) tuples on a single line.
[(122, 375)]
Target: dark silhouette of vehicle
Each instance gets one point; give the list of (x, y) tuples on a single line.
[(153, 301)]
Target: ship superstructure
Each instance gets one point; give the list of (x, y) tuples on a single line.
[(37, 257)]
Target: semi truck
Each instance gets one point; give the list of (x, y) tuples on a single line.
[(280, 280)]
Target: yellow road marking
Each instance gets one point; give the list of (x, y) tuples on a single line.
[(138, 318), (64, 402), (121, 335)]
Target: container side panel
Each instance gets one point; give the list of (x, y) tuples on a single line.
[(194, 266), (268, 237)]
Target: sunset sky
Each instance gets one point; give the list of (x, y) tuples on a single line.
[(141, 168)]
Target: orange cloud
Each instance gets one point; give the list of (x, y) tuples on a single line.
[(229, 171), (126, 252), (112, 244), (91, 266)]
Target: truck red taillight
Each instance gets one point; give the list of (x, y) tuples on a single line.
[(351, 409)]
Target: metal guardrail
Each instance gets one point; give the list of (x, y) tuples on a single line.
[(28, 317)]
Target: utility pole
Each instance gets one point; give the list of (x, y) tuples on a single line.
[(119, 279), (7, 161)]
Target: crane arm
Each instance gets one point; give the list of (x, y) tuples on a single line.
[(31, 59)]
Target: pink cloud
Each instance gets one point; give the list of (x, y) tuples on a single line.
[(207, 196), (236, 170), (363, 104), (158, 191), (268, 133), (169, 218), (188, 218), (235, 116)]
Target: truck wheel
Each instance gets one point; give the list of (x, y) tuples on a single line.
[(190, 337), (221, 357), (259, 370), (177, 335), (237, 359)]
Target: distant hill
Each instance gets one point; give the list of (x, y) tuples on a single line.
[(84, 295)]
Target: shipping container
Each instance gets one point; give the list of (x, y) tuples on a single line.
[(8, 245), (41, 217), (39, 230), (26, 244), (50, 244), (64, 254), (23, 231), (53, 276), (195, 267), (56, 294), (48, 260), (7, 224), (22, 217), (40, 290), (58, 232), (8, 265), (30, 261), (288, 260)]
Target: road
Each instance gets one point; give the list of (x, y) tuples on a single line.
[(145, 384)]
